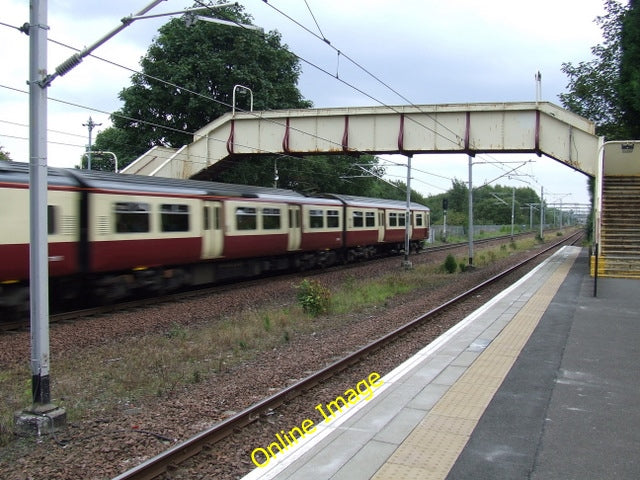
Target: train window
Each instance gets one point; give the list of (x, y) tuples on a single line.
[(174, 218), (132, 217), (216, 218), (206, 223), (393, 219), (271, 218), (316, 219), (401, 218), (419, 219), (358, 219), (294, 218), (370, 219), (246, 218), (52, 216), (333, 218)]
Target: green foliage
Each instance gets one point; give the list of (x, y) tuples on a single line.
[(187, 80), (450, 265), (629, 89), (606, 89), (313, 297), (4, 155), (177, 331), (487, 208)]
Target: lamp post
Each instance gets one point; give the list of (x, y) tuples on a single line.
[(246, 89), (90, 125), (104, 152)]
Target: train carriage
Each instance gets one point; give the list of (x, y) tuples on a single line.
[(112, 234), (375, 226), (322, 224), (62, 226)]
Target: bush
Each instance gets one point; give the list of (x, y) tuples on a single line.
[(314, 297), (450, 264)]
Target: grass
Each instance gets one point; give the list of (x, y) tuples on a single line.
[(137, 370)]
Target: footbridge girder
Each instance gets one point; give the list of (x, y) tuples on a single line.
[(524, 127)]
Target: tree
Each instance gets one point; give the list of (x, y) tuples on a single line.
[(187, 80), (487, 209), (4, 155), (607, 89), (629, 89), (313, 174)]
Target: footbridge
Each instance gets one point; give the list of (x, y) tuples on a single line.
[(524, 127)]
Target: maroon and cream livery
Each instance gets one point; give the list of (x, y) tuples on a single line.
[(111, 235)]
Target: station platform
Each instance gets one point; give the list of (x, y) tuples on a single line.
[(542, 382)]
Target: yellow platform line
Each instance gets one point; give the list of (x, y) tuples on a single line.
[(429, 452)]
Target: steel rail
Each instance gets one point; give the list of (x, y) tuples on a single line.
[(159, 464)]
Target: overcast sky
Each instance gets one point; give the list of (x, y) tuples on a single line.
[(428, 51)]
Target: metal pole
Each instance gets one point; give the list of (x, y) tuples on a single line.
[(541, 212), (444, 226), (513, 206), (90, 125), (595, 272), (39, 80), (38, 249), (470, 213), (233, 107), (407, 216)]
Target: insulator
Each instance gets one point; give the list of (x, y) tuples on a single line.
[(69, 64)]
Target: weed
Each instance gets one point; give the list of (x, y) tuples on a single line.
[(313, 297), (450, 265), (266, 323), (177, 331)]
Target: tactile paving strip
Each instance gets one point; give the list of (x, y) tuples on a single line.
[(433, 446)]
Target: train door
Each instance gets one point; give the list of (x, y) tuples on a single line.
[(295, 229), (212, 238), (381, 225)]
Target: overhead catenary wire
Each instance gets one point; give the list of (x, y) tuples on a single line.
[(456, 141), (156, 125), (93, 109), (365, 70)]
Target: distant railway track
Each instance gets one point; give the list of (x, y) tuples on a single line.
[(142, 302), (171, 458)]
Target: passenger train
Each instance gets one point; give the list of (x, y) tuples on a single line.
[(113, 235)]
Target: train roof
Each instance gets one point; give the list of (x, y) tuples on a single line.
[(19, 172), (354, 200), (136, 183)]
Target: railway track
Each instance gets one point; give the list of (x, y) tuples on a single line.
[(158, 465), (141, 302)]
